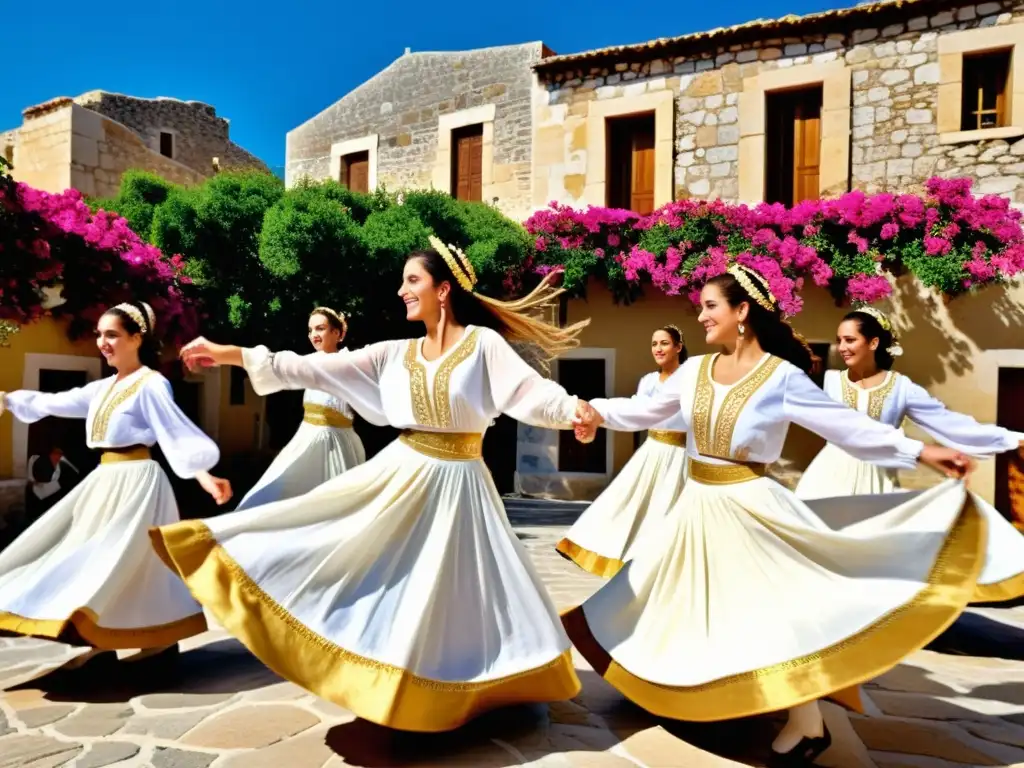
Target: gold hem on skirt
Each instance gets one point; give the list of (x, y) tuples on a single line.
[(591, 562), (1000, 591), (861, 657), (381, 693), (85, 622)]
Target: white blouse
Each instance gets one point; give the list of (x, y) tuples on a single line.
[(748, 420), (650, 385), (897, 398), (138, 410), (316, 397), (463, 390)]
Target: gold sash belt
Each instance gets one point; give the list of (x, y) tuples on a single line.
[(131, 453), (668, 436), (323, 416), (453, 446), (725, 474)]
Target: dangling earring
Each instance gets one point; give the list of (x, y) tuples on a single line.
[(741, 329), (443, 323)]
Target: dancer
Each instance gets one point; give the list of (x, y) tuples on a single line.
[(869, 347), (748, 603), (325, 444), (398, 589), (84, 573), (636, 502)]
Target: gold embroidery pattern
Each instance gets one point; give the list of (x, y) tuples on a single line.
[(110, 403), (668, 436), (452, 446), (876, 401), (417, 385), (725, 474), (849, 392), (703, 398), (734, 403), (131, 453), (325, 416), (442, 379)]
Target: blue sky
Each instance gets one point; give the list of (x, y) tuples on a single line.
[(268, 67)]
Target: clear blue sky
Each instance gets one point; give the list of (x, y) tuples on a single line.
[(268, 67)]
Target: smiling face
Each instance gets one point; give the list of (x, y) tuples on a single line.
[(720, 320), (423, 298), (664, 348), (119, 348), (322, 335), (856, 350)]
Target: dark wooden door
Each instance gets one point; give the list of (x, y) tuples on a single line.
[(585, 379), (1010, 466), (642, 177), (793, 145), (630, 166), (806, 149), (467, 170), (357, 172)]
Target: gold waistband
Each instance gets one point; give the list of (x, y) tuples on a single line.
[(725, 474), (668, 436), (323, 416), (454, 446), (131, 453)]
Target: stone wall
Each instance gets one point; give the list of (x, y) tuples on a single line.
[(199, 134), (890, 140), (403, 107), (42, 153)]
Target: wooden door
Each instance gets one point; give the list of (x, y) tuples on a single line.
[(642, 176), (1010, 466), (467, 171), (806, 149), (357, 173)]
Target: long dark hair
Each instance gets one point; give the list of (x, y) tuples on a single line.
[(870, 328), (149, 350), (773, 333), (677, 338), (516, 320)]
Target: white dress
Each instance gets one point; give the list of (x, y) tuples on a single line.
[(834, 472), (748, 602), (397, 589), (324, 446), (636, 502), (85, 570)]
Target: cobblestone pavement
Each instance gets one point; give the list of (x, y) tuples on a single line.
[(223, 709)]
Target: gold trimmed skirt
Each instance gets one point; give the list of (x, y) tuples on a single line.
[(397, 590), (85, 574), (633, 505), (748, 603)]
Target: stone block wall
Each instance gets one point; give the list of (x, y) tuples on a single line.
[(890, 140), (42, 153), (402, 107)]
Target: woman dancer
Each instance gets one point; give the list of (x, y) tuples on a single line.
[(398, 589), (636, 502), (747, 602), (84, 573), (869, 347), (325, 444)]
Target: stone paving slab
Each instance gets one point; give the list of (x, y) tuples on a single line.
[(223, 709)]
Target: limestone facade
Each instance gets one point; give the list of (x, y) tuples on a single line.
[(405, 116), (891, 76), (89, 141)]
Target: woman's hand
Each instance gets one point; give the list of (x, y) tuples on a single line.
[(586, 421), (948, 462), (200, 353), (217, 487)]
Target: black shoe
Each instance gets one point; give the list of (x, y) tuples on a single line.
[(803, 754)]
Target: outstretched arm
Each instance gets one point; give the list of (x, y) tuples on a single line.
[(957, 430), (28, 406), (520, 391), (641, 411)]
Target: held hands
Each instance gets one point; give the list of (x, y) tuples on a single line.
[(586, 421), (200, 353), (948, 462), (217, 487)]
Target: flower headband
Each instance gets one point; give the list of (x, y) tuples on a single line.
[(145, 323), (457, 262), (339, 316), (762, 295), (674, 328), (895, 350)]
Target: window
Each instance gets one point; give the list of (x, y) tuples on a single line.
[(467, 163), (793, 145), (355, 171), (985, 96), (9, 154), (1010, 465), (167, 144), (586, 379), (237, 392), (630, 172)]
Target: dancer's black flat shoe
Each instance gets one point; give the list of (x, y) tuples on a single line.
[(803, 754)]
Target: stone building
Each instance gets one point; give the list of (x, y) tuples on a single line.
[(87, 142), (878, 97), (460, 122)]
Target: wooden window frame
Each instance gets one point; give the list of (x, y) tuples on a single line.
[(610, 187), (954, 47), (450, 123), (342, 149), (789, 159), (1001, 72)]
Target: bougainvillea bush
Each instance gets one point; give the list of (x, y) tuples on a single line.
[(54, 241), (949, 239)]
